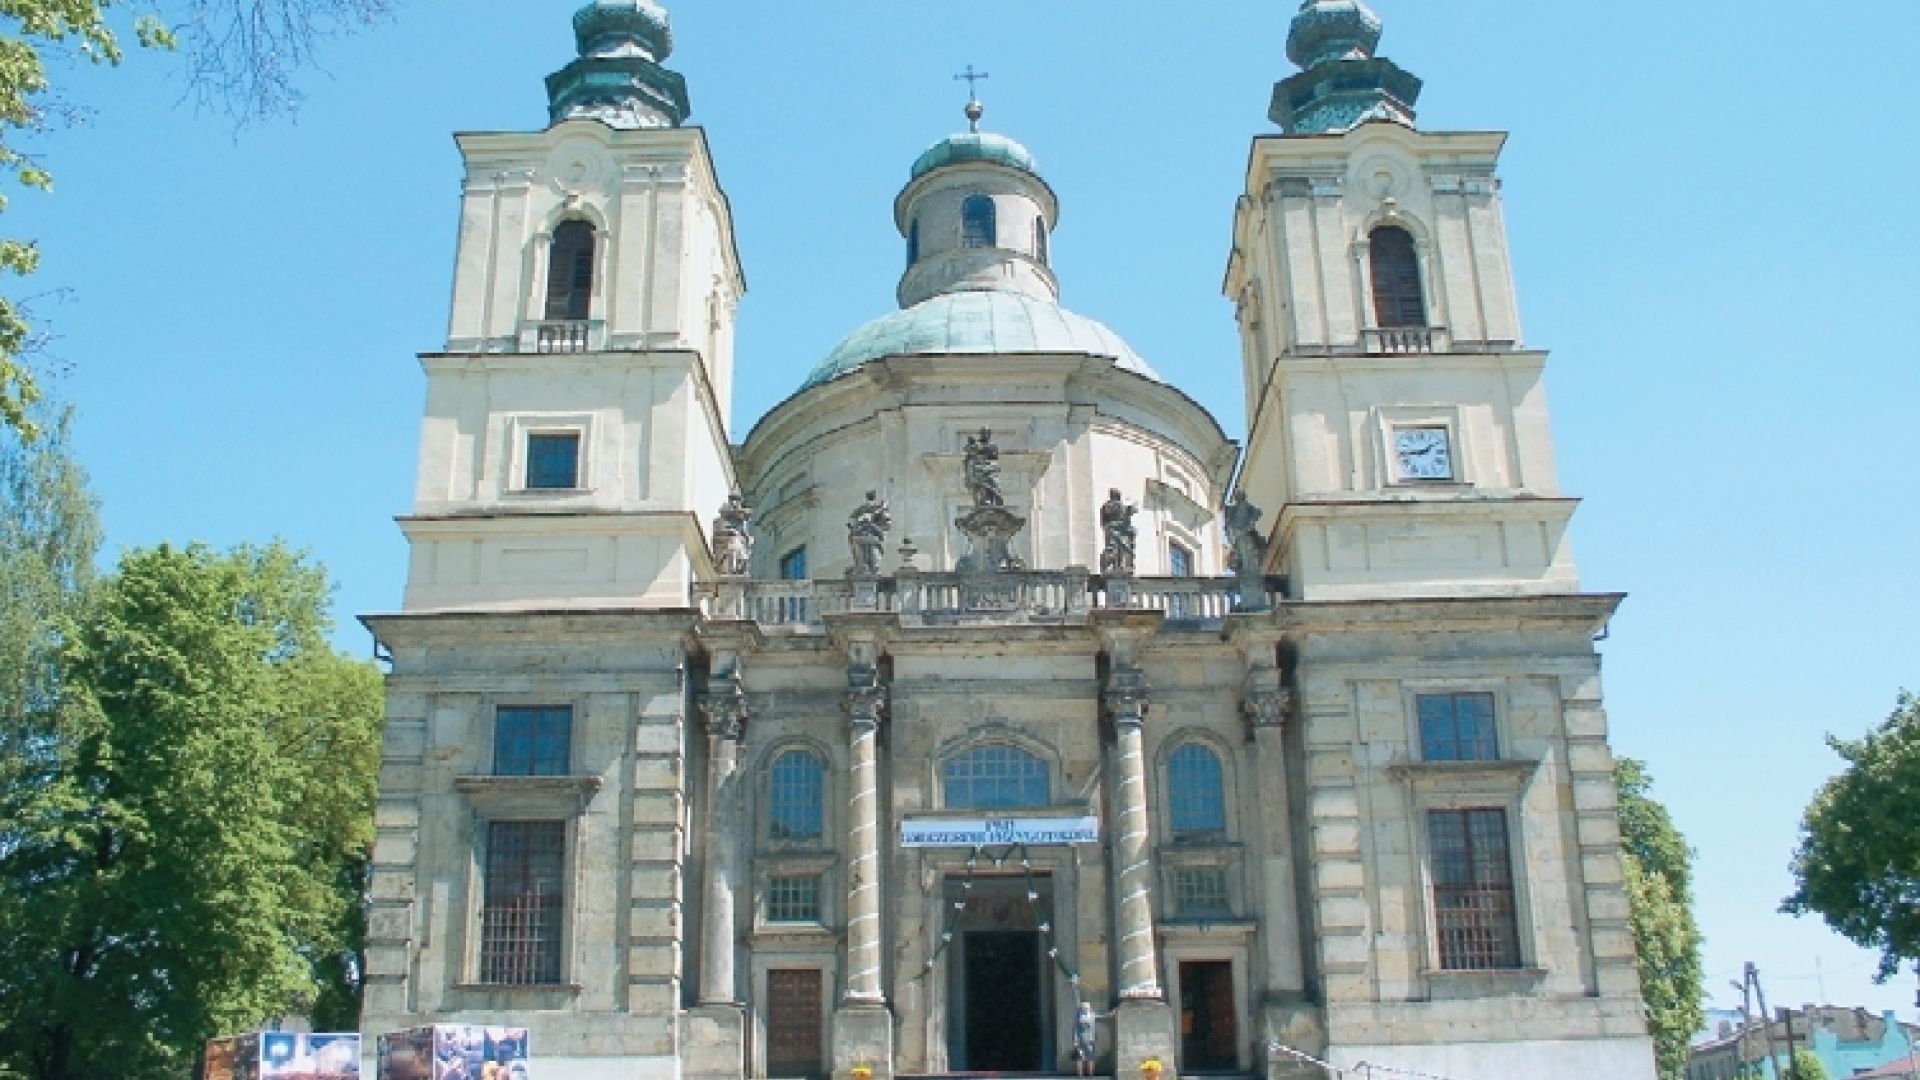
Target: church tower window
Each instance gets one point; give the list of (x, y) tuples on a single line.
[(1040, 240), (997, 777), (532, 740), (553, 460), (913, 242), (1474, 913), (795, 797), (570, 272), (978, 228), (1397, 296), (524, 902)]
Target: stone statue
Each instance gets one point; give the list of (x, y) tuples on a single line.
[(867, 533), (983, 470), (1116, 523), (1247, 549), (732, 543)]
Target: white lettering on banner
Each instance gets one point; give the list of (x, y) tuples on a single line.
[(998, 831)]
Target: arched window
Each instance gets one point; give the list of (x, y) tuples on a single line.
[(570, 272), (795, 796), (913, 242), (1397, 298), (1040, 240), (977, 228), (1196, 792), (996, 777)]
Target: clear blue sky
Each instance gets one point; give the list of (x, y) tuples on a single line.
[(1694, 194)]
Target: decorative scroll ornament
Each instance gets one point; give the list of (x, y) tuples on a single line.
[(1268, 708), (867, 532), (1121, 537), (732, 542), (726, 708)]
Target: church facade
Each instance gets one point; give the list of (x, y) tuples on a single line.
[(986, 678)]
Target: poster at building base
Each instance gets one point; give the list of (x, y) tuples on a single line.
[(284, 1055), (456, 1052)]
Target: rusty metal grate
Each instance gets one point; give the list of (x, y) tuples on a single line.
[(1473, 890), (521, 923)]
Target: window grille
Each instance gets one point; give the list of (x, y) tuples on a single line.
[(570, 271), (1457, 727), (521, 920), (995, 778), (1196, 793), (795, 797), (553, 460), (793, 899), (1201, 890), (532, 740), (978, 227), (1397, 295), (1473, 890)]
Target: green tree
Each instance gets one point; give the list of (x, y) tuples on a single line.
[(187, 860), (1804, 1066), (241, 58), (49, 532), (1659, 869), (1858, 863)]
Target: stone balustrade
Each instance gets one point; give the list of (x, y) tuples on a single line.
[(926, 599)]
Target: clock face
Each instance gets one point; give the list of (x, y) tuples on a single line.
[(1423, 453)]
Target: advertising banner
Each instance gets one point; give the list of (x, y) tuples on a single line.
[(998, 831), (456, 1052), (284, 1055)]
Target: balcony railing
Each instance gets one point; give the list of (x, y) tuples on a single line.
[(925, 599), (563, 336), (1404, 340)]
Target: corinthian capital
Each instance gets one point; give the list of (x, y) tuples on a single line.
[(1128, 694), (725, 708), (1268, 708)]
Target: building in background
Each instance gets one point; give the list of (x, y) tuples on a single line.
[(1848, 1042), (964, 711)]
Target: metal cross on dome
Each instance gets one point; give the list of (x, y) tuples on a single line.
[(971, 77)]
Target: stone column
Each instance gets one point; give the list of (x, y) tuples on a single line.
[(864, 698), (1126, 696), (1143, 1025), (713, 1033), (862, 1025), (726, 714)]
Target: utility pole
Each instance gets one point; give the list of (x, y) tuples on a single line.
[(1746, 1028), (1766, 1023)]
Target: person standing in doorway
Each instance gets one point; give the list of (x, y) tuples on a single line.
[(1083, 1040)]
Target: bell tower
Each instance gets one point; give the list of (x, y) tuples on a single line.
[(1398, 422), (576, 425)]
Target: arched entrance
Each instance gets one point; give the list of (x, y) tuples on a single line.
[(1000, 984)]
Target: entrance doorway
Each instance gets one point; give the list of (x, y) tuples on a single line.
[(1208, 1036), (999, 984)]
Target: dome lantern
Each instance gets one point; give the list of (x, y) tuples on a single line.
[(617, 78), (1341, 84)]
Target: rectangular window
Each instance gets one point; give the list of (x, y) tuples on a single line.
[(793, 565), (793, 899), (1179, 561), (525, 893), (1201, 890), (1473, 890), (532, 740), (553, 460), (1456, 727)]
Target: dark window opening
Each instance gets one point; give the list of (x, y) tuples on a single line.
[(532, 740), (521, 919), (977, 224), (1397, 296), (570, 272), (553, 460), (913, 242), (1473, 890), (1040, 240)]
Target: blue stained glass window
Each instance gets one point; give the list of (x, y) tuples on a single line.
[(1179, 561), (795, 796), (995, 777), (978, 227), (1457, 727), (1196, 792), (553, 460), (532, 740)]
